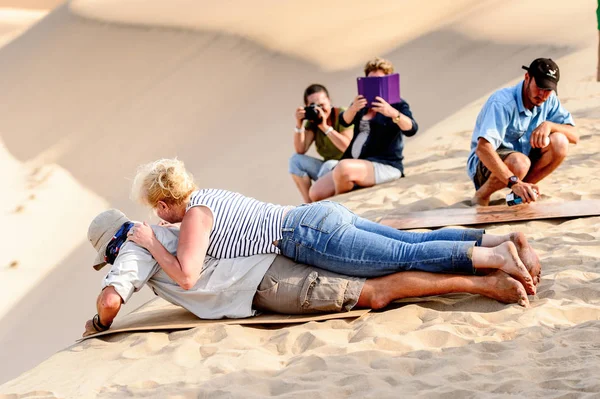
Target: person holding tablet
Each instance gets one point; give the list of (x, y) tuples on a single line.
[(374, 155)]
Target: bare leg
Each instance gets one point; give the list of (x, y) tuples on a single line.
[(506, 258), (353, 171), (518, 163), (552, 156), (303, 184), (526, 252), (379, 292), (323, 188)]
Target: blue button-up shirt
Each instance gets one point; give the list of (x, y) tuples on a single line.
[(505, 122)]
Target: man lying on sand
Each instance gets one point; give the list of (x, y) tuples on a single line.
[(224, 224), (521, 135), (232, 287)]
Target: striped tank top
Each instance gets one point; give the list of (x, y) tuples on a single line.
[(242, 226)]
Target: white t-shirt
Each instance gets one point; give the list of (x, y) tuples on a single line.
[(363, 134), (225, 288)]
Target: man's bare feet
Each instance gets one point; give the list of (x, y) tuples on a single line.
[(501, 287), (527, 256), (512, 264)]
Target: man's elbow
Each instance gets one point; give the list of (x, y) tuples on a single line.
[(111, 302), (479, 151)]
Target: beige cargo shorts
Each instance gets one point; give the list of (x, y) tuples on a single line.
[(293, 288)]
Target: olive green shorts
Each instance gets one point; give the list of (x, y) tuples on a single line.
[(293, 288)]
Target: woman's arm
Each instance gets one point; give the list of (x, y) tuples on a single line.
[(404, 122), (303, 140), (184, 268), (347, 117), (402, 117), (340, 139)]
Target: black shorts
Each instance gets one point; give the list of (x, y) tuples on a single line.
[(482, 173)]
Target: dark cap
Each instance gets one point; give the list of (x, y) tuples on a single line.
[(545, 72)]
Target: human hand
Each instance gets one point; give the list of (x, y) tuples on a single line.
[(89, 328), (527, 191), (540, 137), (299, 115), (358, 103), (141, 234), (323, 124), (385, 109)]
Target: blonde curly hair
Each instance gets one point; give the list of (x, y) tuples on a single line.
[(164, 180), (379, 63)]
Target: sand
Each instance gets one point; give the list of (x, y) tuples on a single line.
[(91, 99)]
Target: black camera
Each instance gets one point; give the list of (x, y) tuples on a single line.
[(311, 113)]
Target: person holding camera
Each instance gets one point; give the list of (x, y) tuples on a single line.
[(374, 155), (317, 122)]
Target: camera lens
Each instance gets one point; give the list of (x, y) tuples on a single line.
[(311, 113)]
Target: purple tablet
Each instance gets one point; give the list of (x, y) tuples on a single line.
[(386, 87)]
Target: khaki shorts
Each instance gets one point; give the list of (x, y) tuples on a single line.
[(482, 173), (293, 288)]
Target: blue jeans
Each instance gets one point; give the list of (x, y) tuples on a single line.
[(327, 235), (304, 165)]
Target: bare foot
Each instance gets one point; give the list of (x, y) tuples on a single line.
[(501, 287), (527, 256), (512, 265)]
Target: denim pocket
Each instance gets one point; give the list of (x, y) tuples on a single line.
[(320, 218)]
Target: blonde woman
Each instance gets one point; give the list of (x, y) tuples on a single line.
[(224, 224)]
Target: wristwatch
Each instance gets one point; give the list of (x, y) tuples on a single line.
[(98, 326), (512, 181), (397, 118)]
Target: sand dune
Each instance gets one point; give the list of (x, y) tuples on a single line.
[(352, 31), (43, 221), (91, 99), (454, 345), (43, 5), (357, 29), (18, 16)]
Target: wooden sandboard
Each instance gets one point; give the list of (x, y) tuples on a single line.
[(491, 214), (160, 315)]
